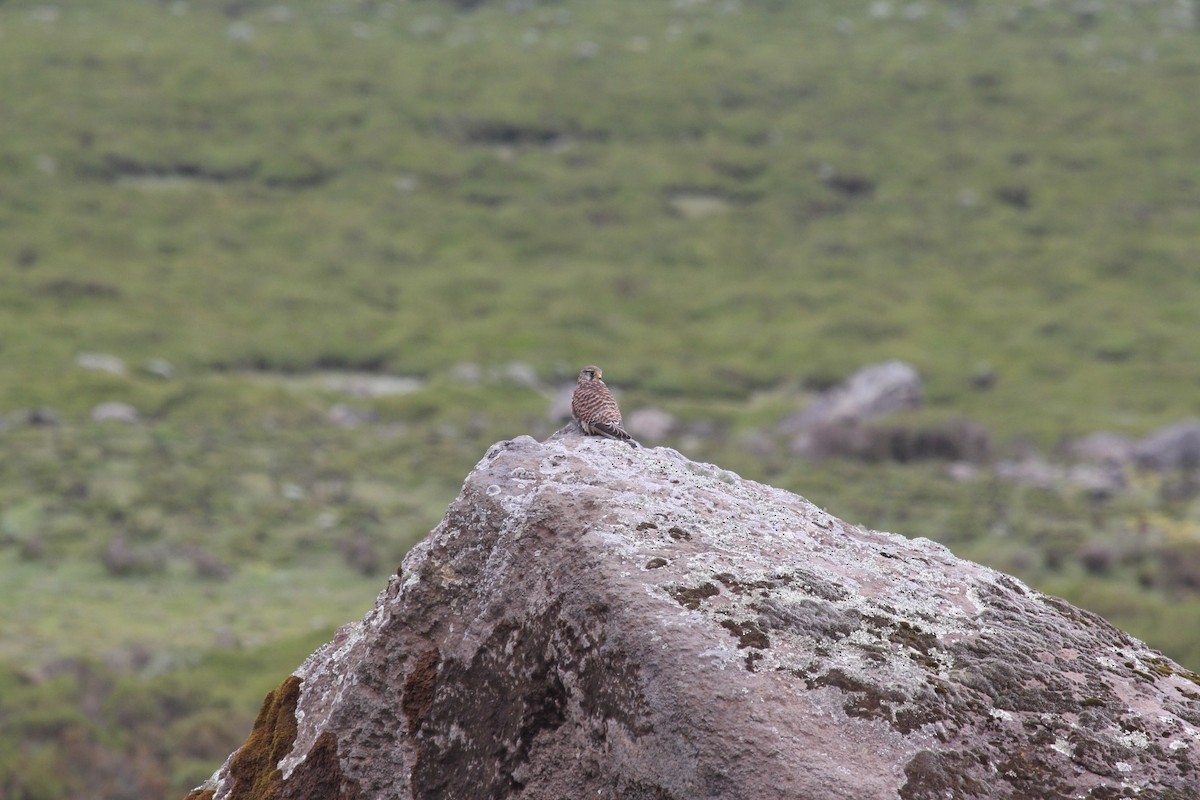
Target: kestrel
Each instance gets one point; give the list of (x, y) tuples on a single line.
[(594, 407)]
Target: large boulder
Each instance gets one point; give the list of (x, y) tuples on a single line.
[(593, 620)]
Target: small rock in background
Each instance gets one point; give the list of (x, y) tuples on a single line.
[(874, 391), (293, 491), (1171, 447), (1102, 447), (759, 442), (102, 362), (240, 31), (406, 184), (115, 412), (467, 373), (1032, 471), (159, 368), (650, 423), (280, 14), (46, 14), (696, 205), (47, 165), (1099, 481), (365, 384), (560, 406), (699, 434), (349, 417), (962, 471), (521, 374)]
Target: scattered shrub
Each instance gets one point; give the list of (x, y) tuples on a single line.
[(32, 548), (955, 440), (209, 566), (360, 553), (1098, 558), (79, 729), (1179, 566), (121, 559)]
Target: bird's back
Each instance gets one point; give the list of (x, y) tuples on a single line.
[(593, 402)]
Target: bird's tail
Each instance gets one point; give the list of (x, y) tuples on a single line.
[(614, 432)]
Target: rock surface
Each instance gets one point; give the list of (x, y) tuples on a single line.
[(591, 620)]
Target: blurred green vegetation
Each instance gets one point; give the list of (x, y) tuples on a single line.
[(726, 203)]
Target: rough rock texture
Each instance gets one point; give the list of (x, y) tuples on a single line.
[(591, 620)]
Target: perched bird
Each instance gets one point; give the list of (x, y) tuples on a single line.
[(595, 409)]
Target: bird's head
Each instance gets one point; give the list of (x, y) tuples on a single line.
[(590, 373)]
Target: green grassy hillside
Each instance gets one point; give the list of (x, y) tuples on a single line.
[(727, 204)]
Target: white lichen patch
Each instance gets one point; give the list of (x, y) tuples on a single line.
[(1064, 747), (1137, 739)]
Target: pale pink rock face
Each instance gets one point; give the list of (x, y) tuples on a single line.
[(595, 621)]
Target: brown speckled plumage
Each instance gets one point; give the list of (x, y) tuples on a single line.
[(595, 409)]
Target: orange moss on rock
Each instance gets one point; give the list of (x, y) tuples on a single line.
[(254, 772), (254, 769)]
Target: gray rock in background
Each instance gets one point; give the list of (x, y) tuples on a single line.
[(113, 411), (652, 424), (159, 368), (872, 392), (590, 620), (1171, 447), (1102, 447), (102, 362)]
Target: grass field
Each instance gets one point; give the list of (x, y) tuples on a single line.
[(727, 204)]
